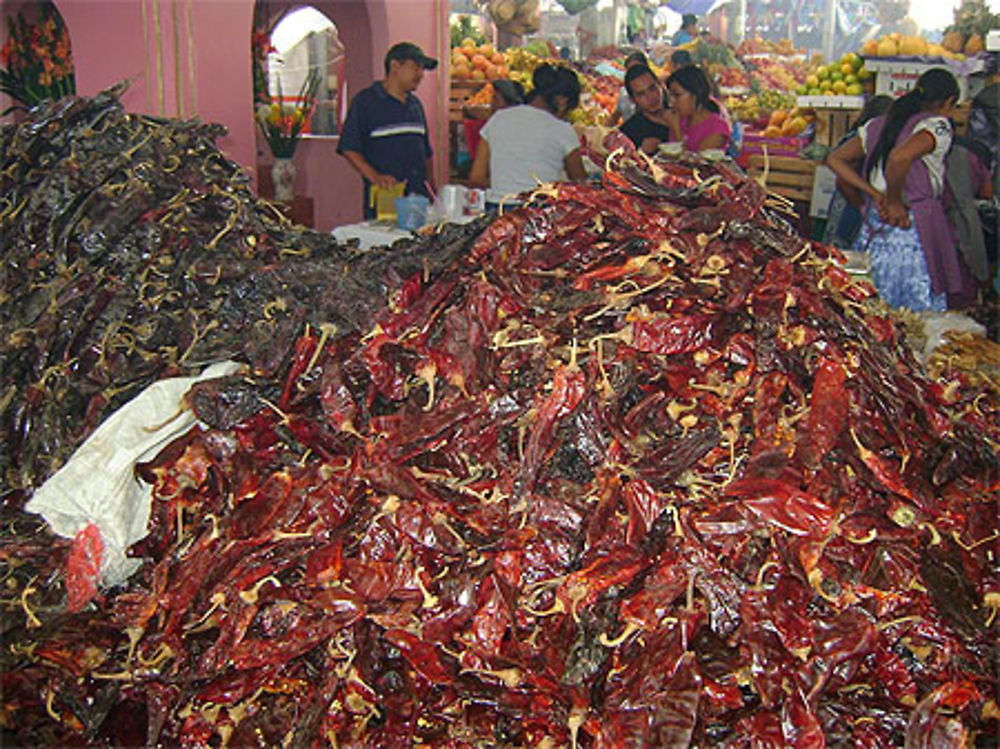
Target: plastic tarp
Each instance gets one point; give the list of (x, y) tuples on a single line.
[(98, 483), (698, 7)]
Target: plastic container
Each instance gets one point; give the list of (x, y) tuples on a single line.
[(383, 200), (411, 212)]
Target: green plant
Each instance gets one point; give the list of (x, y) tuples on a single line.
[(37, 60), (465, 28), (283, 122)]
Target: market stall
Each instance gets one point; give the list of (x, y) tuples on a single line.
[(633, 463), (654, 448)]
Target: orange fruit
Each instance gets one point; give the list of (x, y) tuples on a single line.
[(497, 59), (479, 62), (491, 72), (477, 75), (460, 72)]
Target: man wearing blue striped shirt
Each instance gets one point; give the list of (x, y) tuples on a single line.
[(385, 134)]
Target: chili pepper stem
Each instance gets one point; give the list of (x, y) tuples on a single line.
[(511, 677), (250, 596), (991, 601), (326, 330), (49, 697), (33, 621), (430, 600), (630, 629), (577, 716)]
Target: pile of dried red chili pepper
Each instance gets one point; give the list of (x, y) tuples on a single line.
[(643, 469)]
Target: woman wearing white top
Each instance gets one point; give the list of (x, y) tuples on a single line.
[(523, 146), (914, 261)]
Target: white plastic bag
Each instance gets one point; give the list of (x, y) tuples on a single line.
[(936, 324), (98, 484)]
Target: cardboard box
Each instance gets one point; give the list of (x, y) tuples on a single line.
[(895, 77), (830, 101)]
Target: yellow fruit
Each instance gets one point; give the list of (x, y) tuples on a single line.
[(864, 74), (913, 46), (974, 45), (887, 48), (799, 124), (847, 69), (953, 41), (854, 89), (822, 72), (870, 48), (772, 130), (812, 81), (839, 87)]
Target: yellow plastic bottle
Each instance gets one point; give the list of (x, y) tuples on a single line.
[(383, 200)]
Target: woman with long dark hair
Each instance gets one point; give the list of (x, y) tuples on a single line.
[(524, 145), (694, 117), (914, 260)]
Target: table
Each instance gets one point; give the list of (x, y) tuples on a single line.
[(373, 233), (370, 234)]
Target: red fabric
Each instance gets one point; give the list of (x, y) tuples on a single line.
[(472, 128)]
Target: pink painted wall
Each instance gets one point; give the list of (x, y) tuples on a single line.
[(192, 57), (184, 58)]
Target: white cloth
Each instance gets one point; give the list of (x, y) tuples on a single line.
[(98, 484), (940, 130), (370, 234), (528, 145)]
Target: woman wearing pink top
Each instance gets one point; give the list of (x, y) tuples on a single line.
[(694, 118)]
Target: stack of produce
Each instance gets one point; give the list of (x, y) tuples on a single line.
[(758, 46), (477, 62), (898, 45), (521, 63), (780, 75), (516, 17), (844, 77), (756, 109), (788, 122), (720, 62), (641, 467), (973, 21)]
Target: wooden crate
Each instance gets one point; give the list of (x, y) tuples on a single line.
[(457, 94), (833, 124), (784, 175)]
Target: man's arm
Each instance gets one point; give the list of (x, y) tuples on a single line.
[(366, 170)]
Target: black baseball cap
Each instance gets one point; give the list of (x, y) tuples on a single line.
[(409, 51)]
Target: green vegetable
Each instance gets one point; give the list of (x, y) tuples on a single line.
[(576, 6)]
